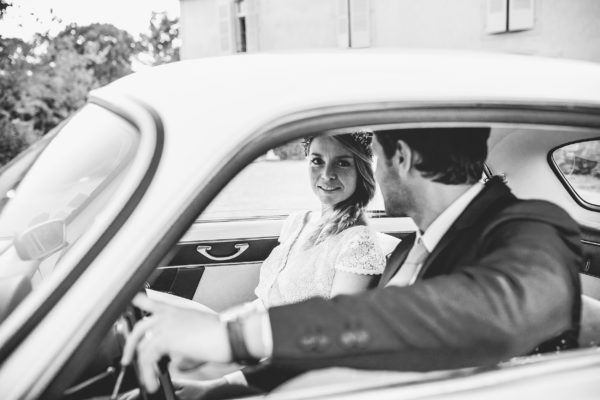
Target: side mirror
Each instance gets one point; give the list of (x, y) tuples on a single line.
[(41, 240)]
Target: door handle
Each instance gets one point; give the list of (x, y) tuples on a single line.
[(204, 250)]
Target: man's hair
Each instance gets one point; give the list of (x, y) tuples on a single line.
[(448, 155)]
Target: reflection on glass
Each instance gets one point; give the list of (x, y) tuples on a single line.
[(53, 201), (580, 165)]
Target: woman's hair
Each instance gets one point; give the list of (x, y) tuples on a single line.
[(349, 212)]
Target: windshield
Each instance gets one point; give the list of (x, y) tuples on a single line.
[(59, 197)]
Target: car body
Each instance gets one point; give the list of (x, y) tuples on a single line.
[(117, 198)]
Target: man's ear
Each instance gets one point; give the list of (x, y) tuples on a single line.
[(403, 157)]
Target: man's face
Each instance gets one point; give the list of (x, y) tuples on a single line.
[(396, 195)]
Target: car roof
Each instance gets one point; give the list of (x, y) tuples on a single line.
[(268, 79), (212, 107)]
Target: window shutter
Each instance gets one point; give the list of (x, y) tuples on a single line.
[(252, 24), (225, 17), (360, 23), (520, 14), (342, 23), (496, 16)]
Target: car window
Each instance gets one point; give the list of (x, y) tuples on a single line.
[(61, 194), (579, 167), (275, 184)]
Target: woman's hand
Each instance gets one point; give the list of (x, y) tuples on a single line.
[(177, 332)]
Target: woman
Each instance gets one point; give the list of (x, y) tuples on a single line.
[(329, 252)]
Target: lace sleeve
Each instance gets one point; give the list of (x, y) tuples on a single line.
[(361, 253)]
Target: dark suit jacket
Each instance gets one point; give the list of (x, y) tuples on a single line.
[(502, 281)]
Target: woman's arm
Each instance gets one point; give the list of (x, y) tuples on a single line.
[(350, 283), (359, 262)]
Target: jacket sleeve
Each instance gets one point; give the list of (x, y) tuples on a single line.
[(518, 292)]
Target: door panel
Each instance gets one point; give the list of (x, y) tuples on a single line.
[(217, 240), (216, 252), (221, 280), (590, 268)]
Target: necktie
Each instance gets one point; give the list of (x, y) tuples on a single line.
[(408, 272)]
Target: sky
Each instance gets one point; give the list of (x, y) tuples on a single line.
[(27, 17)]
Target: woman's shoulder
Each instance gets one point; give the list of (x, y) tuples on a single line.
[(360, 251), (360, 236), (291, 223), (364, 232)]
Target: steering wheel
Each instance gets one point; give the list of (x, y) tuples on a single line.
[(102, 376), (166, 391)]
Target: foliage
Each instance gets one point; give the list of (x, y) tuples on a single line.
[(45, 80), (162, 43), (290, 151), (16, 129), (12, 140), (3, 6), (107, 49)]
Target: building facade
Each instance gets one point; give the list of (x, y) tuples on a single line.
[(555, 28)]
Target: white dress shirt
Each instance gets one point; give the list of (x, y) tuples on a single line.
[(432, 236)]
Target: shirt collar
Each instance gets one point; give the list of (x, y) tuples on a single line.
[(444, 221)]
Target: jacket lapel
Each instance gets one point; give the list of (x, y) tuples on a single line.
[(494, 195), (397, 258)]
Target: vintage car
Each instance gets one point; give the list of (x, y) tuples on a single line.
[(174, 179)]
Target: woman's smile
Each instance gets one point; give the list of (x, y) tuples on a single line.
[(329, 189)]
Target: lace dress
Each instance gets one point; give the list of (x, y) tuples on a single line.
[(293, 273)]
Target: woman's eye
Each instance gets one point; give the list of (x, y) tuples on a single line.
[(344, 163), (316, 161)]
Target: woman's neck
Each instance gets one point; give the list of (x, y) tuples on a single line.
[(326, 211)]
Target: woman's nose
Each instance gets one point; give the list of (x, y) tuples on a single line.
[(329, 172)]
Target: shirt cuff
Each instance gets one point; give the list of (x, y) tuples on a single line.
[(256, 311), (267, 334), (236, 378)]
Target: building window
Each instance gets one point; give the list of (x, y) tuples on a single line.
[(509, 15), (240, 26), (354, 23)]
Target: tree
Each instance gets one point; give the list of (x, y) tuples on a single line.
[(3, 6), (58, 86), (290, 151), (163, 41), (44, 80), (16, 132), (108, 49)]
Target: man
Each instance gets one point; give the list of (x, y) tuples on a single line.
[(496, 277)]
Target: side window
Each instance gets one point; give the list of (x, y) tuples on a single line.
[(579, 166), (276, 184)]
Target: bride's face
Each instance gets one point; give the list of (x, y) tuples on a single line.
[(333, 172)]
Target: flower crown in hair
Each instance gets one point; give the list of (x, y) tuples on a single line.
[(362, 138)]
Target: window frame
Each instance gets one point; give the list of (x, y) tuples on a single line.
[(144, 164), (565, 182)]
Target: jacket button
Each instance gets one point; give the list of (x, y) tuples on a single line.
[(362, 337), (354, 338), (348, 339), (314, 342)]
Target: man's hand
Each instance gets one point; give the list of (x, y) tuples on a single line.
[(180, 333)]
